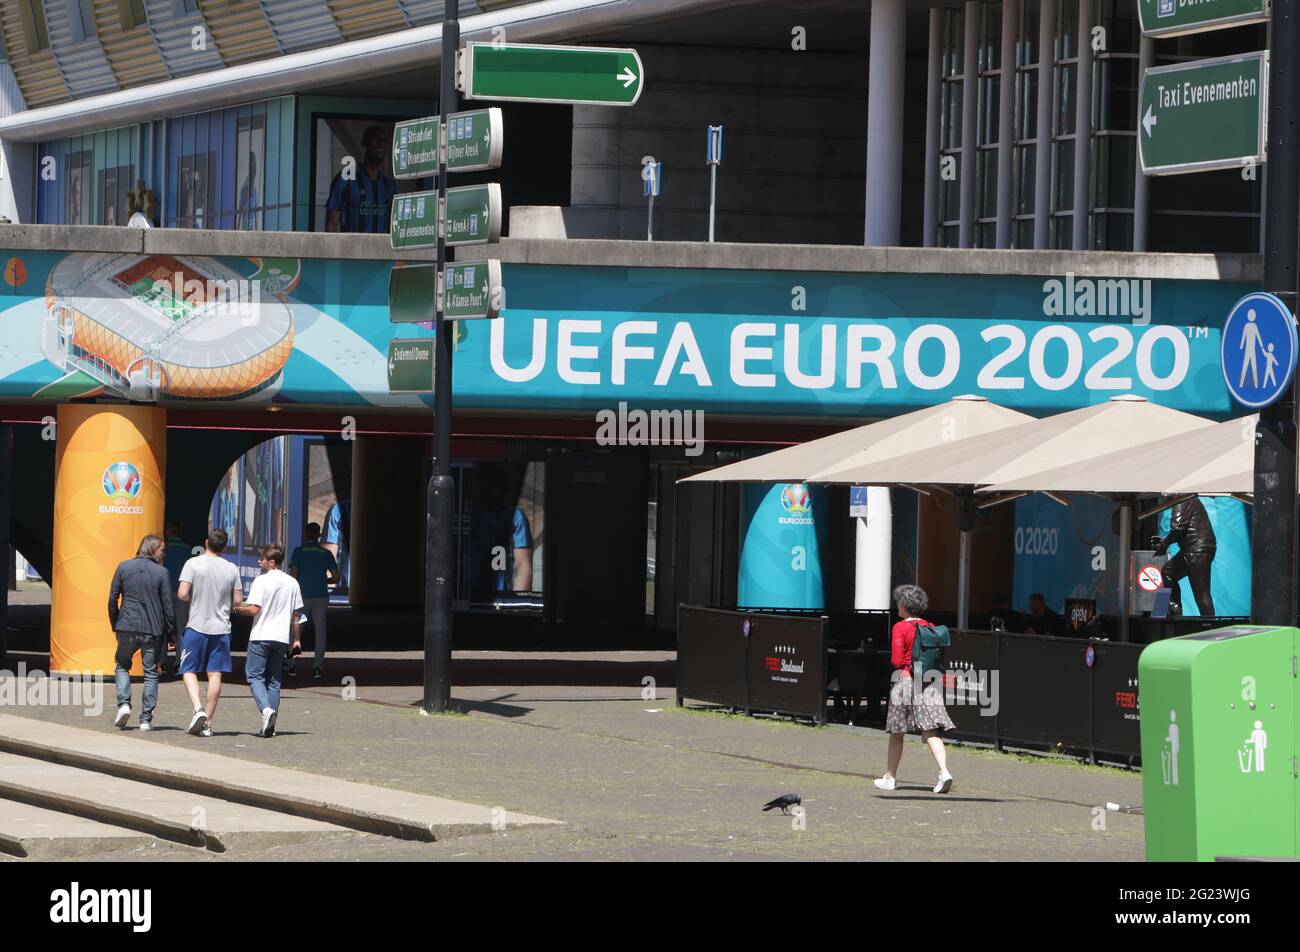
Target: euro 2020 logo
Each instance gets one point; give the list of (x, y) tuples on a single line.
[(121, 481), (796, 499)]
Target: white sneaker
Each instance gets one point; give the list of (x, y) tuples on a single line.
[(268, 723), (123, 715), (885, 783), (199, 723), (944, 784), (206, 732), (146, 726)]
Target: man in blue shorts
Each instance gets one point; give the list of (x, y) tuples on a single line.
[(212, 588)]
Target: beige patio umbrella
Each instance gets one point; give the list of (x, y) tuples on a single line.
[(1069, 441), (958, 419), (1213, 460)]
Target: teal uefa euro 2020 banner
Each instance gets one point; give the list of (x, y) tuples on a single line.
[(314, 332)]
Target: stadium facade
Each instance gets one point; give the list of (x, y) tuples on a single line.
[(899, 179)]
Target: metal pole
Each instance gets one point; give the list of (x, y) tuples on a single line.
[(963, 583), (650, 220), (1125, 556), (1141, 187), (438, 555), (1273, 540), (713, 194)]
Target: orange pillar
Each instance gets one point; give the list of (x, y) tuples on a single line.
[(109, 468)]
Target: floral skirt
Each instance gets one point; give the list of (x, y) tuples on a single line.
[(910, 712)]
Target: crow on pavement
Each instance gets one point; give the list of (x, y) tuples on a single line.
[(784, 803)]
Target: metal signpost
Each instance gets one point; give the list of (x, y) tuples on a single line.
[(714, 160), (467, 290), (1178, 17), (1221, 113), (652, 178), (1205, 115), (568, 75)]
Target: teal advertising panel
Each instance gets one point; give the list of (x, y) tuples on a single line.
[(780, 559), (314, 332), (1066, 552), (1230, 570)]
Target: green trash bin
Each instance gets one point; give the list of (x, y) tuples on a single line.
[(1219, 727)]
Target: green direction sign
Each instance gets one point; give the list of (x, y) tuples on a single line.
[(556, 74), (1176, 17), (472, 290), (1205, 115), (415, 148), (474, 140), (473, 217), (410, 365)]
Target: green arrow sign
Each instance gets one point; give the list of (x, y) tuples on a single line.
[(473, 217), (410, 365), (557, 74), (472, 289), (1176, 17), (474, 141), (415, 148), (1194, 117)]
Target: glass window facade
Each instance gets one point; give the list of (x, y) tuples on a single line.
[(226, 169), (1025, 128), (950, 98), (987, 126)]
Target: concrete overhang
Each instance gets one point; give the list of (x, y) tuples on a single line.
[(643, 254)]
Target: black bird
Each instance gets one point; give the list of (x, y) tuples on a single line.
[(784, 802)]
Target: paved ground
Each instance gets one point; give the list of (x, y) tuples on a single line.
[(638, 779)]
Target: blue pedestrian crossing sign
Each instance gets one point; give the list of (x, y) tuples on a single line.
[(1259, 350)]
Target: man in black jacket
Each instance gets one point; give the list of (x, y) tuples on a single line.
[(1189, 526), (142, 620)]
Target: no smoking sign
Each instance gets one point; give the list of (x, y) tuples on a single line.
[(1149, 578)]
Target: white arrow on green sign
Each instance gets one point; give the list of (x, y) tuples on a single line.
[(472, 290), (410, 365), (473, 217), (1210, 114), (1177, 17), (556, 74)]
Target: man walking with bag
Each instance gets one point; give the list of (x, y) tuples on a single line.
[(141, 614), (274, 601)]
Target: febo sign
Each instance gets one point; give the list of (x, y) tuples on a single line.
[(1259, 350)]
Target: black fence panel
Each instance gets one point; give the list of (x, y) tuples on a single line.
[(1044, 691), (973, 684), (1115, 721), (787, 665), (712, 653)]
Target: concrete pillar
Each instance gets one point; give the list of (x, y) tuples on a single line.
[(1083, 128), (109, 472), (1045, 124), (386, 555), (969, 109), (1141, 187), (1006, 125), (885, 80), (933, 115), (874, 552)]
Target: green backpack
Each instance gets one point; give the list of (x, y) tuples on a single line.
[(928, 651)]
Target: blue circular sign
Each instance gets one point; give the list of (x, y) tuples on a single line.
[(1089, 656), (1259, 350)]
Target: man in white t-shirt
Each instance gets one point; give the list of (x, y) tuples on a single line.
[(212, 588), (274, 602)]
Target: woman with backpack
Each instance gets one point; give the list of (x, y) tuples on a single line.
[(911, 709)]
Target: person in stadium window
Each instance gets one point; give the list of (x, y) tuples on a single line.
[(1042, 620), (337, 539), (361, 202)]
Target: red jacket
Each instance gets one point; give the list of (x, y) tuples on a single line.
[(900, 642)]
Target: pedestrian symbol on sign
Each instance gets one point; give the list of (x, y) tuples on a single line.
[(1259, 350)]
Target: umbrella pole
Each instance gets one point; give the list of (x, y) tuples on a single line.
[(1125, 538), (963, 583)]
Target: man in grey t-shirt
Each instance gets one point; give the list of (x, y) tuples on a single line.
[(212, 588)]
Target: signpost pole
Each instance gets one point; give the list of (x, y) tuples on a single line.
[(1273, 539), (438, 556)]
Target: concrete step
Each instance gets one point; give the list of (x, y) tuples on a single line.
[(31, 831), (174, 815), (343, 803)]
